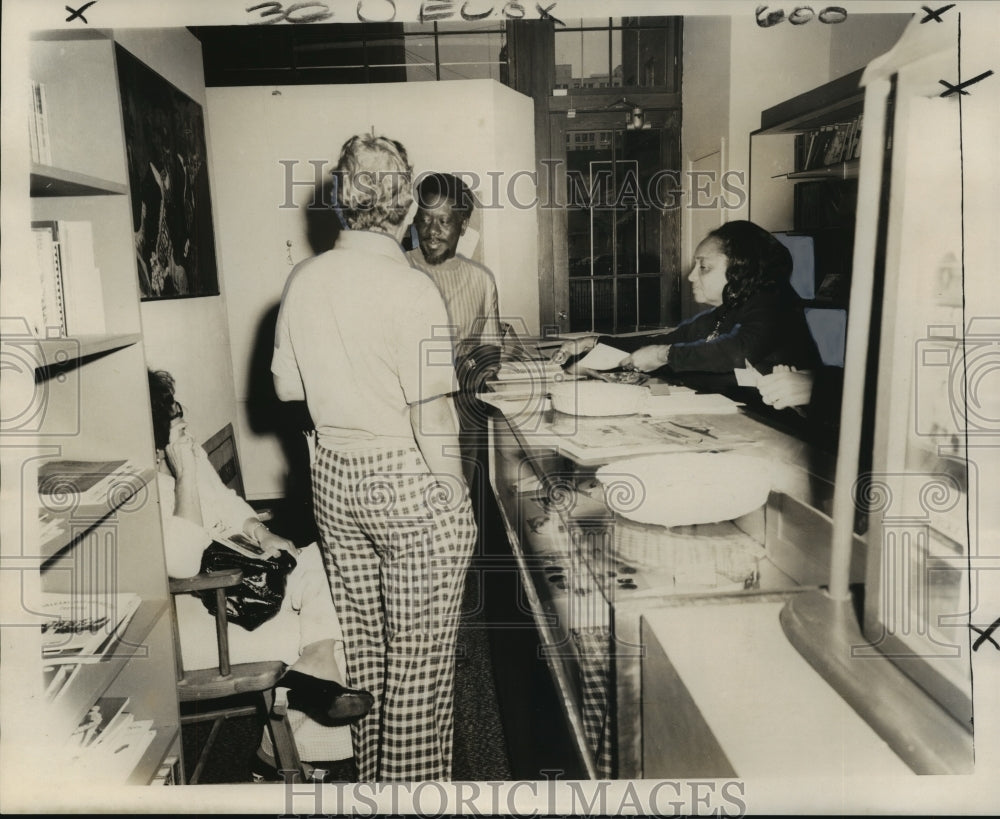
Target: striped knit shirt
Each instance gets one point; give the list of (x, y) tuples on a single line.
[(470, 296)]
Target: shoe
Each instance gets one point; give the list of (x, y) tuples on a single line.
[(325, 701)]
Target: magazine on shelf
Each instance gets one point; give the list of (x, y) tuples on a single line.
[(38, 124), (96, 483), (108, 743), (49, 278), (83, 628), (103, 719), (72, 297)]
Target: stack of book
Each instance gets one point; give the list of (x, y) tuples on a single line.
[(79, 629), (109, 742), (38, 125), (828, 145), (71, 294)]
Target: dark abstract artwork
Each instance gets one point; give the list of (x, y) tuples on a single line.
[(168, 178)]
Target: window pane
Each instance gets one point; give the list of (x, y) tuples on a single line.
[(470, 48), (649, 302), (644, 58), (578, 241), (579, 305), (627, 299), (604, 306), (420, 51), (582, 59), (470, 71)]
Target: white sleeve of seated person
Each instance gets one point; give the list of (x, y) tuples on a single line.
[(222, 508), (183, 540)]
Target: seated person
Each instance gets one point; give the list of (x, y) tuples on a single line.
[(743, 273), (305, 634)]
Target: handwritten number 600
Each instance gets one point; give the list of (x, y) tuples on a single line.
[(800, 15)]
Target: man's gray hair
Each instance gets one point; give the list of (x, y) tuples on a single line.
[(374, 182)]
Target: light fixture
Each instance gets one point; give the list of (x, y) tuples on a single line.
[(635, 117)]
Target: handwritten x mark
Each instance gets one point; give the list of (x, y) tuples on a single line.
[(957, 89), (986, 634), (74, 13), (543, 14), (935, 15)]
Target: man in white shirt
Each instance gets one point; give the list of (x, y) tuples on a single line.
[(365, 343)]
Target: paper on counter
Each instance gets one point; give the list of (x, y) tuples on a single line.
[(748, 377), (602, 357), (689, 404)]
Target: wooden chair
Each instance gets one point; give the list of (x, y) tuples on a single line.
[(228, 679)]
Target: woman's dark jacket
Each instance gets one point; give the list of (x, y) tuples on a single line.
[(768, 329)]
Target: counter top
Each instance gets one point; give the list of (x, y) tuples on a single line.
[(766, 724)]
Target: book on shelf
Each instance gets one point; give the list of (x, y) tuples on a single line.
[(854, 149), (108, 743), (835, 147), (48, 269), (93, 483), (38, 125), (72, 297), (828, 145), (83, 628), (103, 719)]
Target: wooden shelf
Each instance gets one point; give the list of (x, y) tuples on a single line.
[(156, 754), (93, 679), (837, 101), (82, 519), (49, 181), (69, 349), (841, 170)]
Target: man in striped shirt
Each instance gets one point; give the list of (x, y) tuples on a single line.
[(469, 292)]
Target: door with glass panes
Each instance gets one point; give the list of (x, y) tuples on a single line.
[(617, 235)]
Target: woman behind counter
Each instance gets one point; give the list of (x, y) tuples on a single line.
[(744, 274)]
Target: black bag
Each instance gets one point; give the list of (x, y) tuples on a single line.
[(258, 598)]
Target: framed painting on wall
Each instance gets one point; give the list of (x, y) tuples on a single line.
[(168, 179)]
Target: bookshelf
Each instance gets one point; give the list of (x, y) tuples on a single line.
[(805, 163), (91, 404)]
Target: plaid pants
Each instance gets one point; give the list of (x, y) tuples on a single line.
[(396, 558)]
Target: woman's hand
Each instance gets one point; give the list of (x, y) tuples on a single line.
[(269, 542), (786, 387), (181, 452), (649, 358), (574, 347)]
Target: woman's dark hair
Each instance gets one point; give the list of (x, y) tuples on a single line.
[(161, 399), (757, 261)]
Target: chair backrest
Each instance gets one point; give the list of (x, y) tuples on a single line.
[(222, 454)]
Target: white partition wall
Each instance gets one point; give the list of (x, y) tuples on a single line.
[(269, 147)]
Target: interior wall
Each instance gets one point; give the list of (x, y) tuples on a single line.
[(188, 337), (268, 137), (769, 65), (704, 133), (861, 38)]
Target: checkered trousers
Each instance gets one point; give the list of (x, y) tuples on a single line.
[(397, 557)]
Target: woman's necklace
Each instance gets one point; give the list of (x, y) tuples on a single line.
[(715, 331)]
